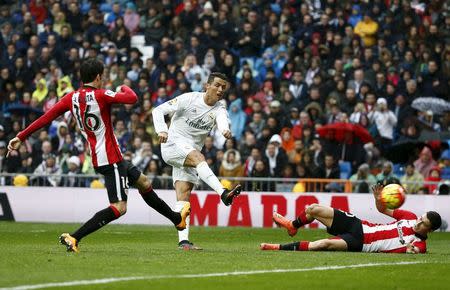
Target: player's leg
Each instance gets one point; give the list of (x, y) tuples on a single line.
[(335, 244), (323, 214), (117, 193), (183, 190), (184, 180), (143, 184), (196, 159)]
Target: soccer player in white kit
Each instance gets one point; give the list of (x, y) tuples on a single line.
[(195, 114)]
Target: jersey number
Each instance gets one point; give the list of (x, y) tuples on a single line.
[(348, 214), (91, 121)]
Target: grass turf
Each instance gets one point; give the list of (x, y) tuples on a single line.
[(30, 254)]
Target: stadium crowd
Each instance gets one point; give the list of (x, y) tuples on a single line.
[(294, 66)]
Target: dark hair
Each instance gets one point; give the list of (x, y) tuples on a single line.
[(217, 75), (435, 220), (90, 69), (411, 164)]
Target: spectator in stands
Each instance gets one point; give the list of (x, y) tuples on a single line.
[(250, 162), (41, 91), (238, 118), (48, 173), (387, 171), (330, 170), (143, 156), (425, 162), (231, 166), (131, 18), (298, 88), (276, 156), (412, 181), (73, 169), (260, 169), (61, 132), (426, 118), (362, 180), (432, 180), (245, 147), (385, 121)]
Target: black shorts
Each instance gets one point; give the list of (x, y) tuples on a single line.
[(349, 228), (118, 178)]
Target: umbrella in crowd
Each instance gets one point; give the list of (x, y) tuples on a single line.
[(427, 135), (436, 105), (24, 111), (346, 133), (407, 149)]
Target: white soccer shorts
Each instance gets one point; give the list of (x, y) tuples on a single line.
[(175, 154)]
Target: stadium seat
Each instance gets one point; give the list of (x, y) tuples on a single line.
[(137, 41), (346, 169), (399, 170), (147, 51), (445, 173)]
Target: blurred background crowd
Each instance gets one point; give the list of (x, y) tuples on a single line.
[(319, 89)]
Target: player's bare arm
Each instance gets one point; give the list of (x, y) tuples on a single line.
[(227, 134), (377, 188), (162, 137), (411, 249)]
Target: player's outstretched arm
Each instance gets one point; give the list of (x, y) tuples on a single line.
[(377, 188), (61, 107)]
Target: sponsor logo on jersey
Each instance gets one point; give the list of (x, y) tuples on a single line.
[(200, 124), (173, 101), (110, 93)]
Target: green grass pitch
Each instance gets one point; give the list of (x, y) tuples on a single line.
[(30, 255)]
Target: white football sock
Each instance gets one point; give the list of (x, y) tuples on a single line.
[(205, 173), (184, 234)]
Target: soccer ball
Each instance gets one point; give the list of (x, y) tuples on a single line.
[(393, 196)]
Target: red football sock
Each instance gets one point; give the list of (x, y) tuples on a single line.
[(303, 246)]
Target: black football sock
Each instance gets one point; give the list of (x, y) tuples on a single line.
[(99, 220), (290, 247), (301, 220), (152, 199)]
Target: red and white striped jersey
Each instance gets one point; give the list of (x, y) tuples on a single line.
[(91, 109), (393, 237)]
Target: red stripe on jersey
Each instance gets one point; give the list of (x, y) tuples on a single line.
[(112, 146), (386, 234), (398, 250), (92, 140)]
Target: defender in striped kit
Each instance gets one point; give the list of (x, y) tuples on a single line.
[(91, 108), (407, 234)]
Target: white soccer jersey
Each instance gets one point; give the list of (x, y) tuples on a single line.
[(192, 119)]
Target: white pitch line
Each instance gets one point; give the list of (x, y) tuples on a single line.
[(205, 275)]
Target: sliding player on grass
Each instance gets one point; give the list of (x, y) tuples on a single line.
[(91, 108), (407, 234)]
